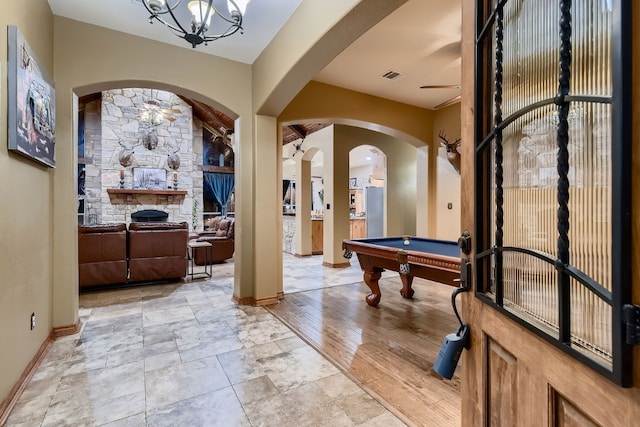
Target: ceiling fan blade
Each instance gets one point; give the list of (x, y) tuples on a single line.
[(448, 102), (441, 87), (168, 117)]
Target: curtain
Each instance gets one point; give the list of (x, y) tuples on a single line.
[(221, 185)]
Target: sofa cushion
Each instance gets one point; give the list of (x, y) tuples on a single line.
[(157, 251), (220, 234), (102, 254)]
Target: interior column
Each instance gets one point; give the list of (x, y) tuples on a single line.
[(336, 201), (267, 244), (65, 233), (303, 207)]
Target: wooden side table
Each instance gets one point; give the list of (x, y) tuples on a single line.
[(208, 255)]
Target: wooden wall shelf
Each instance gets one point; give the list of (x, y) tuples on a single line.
[(130, 192)]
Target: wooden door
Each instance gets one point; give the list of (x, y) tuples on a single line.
[(518, 371)]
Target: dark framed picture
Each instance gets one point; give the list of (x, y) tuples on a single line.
[(31, 103), (149, 179), (353, 182)]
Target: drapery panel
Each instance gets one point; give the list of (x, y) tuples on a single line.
[(221, 185)]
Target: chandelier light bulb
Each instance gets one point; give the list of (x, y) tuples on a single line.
[(199, 11), (156, 5), (237, 6)]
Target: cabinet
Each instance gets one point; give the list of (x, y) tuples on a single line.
[(317, 231), (358, 228)]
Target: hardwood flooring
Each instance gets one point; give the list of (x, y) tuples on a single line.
[(388, 350)]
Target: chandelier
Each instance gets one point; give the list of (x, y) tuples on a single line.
[(193, 22)]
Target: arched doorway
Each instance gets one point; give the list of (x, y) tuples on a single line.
[(126, 132)]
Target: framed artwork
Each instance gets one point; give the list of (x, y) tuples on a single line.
[(149, 179), (353, 182), (31, 103)]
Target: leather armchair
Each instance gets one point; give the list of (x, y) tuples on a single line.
[(221, 235), (157, 251), (102, 255)]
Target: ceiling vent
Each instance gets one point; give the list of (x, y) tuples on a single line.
[(392, 75)]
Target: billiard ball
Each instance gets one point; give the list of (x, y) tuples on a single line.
[(406, 240)]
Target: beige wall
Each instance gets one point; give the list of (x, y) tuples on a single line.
[(400, 182), (336, 142), (447, 179), (434, 183), (319, 101), (103, 59), (27, 218)]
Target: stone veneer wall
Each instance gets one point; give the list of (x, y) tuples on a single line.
[(119, 127)]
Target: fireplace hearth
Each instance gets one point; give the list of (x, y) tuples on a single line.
[(149, 215)]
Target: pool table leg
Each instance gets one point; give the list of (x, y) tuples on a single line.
[(371, 279), (407, 290)]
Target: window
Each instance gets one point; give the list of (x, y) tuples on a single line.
[(218, 177), (553, 172)]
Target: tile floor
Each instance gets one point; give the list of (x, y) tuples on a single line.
[(184, 354)]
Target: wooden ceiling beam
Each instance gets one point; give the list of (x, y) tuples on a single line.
[(298, 130)]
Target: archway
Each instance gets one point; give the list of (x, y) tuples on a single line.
[(137, 130), (367, 177)]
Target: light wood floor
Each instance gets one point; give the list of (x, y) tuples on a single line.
[(388, 350)]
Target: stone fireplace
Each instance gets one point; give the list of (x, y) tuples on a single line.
[(115, 129)]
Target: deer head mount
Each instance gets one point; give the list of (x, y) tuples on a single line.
[(149, 141), (453, 155), (173, 159)]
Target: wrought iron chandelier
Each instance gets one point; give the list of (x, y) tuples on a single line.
[(199, 14)]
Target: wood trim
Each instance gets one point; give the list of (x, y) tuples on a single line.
[(301, 255), (63, 331), (258, 302), (337, 265), (131, 191), (10, 401), (223, 169), (242, 301)]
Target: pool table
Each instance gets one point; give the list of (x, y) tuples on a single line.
[(437, 260)]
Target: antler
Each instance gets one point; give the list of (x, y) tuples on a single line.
[(449, 145)]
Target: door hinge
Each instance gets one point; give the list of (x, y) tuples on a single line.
[(631, 315)]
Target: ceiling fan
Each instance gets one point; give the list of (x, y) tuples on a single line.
[(153, 113), (298, 148), (449, 101)]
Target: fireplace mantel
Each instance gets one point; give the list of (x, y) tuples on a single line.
[(130, 192)]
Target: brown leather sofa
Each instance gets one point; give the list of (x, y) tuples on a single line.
[(221, 235), (102, 255), (157, 251)]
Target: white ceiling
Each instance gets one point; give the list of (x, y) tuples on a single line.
[(420, 40), (262, 21)]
